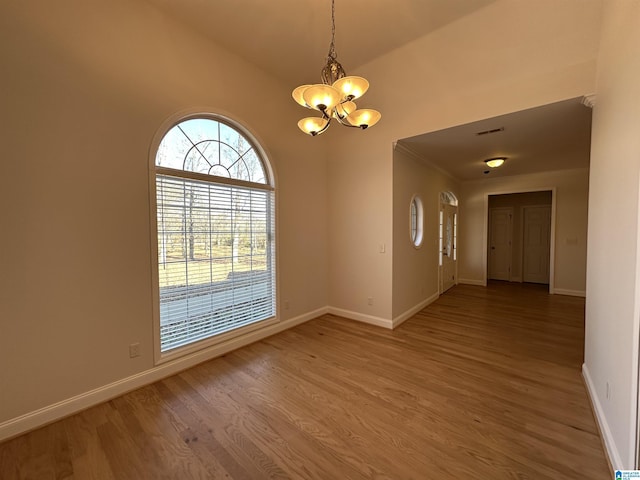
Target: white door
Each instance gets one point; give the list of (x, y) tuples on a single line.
[(499, 264), (448, 246), (536, 244)]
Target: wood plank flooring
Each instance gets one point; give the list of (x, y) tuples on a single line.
[(485, 383)]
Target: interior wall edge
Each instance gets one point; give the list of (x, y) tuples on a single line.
[(403, 317), (610, 449), (361, 317), (571, 293)]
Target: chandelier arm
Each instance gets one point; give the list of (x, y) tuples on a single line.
[(325, 127), (344, 123)]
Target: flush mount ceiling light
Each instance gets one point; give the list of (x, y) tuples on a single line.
[(495, 162), (334, 96)]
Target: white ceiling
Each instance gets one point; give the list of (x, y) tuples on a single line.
[(551, 137), (290, 40)]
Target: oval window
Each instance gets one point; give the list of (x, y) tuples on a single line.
[(416, 216)]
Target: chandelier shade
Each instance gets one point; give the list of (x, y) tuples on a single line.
[(351, 87), (313, 125), (334, 96), (297, 95), (321, 97), (364, 118)]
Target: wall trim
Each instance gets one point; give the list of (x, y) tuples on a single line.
[(469, 281), (610, 450), (403, 317), (51, 413), (403, 147), (572, 293), (361, 317)]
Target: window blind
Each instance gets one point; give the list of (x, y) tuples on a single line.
[(215, 258)]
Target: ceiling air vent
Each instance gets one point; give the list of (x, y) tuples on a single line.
[(487, 132)]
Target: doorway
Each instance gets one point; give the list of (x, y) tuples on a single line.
[(519, 230), (448, 243)]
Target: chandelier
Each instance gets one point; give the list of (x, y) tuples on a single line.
[(334, 97)]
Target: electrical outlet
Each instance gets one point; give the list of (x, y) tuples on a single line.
[(608, 391), (370, 301), (286, 304), (134, 350)]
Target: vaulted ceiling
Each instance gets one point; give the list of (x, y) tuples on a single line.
[(290, 39)]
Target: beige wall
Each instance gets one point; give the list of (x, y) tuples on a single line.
[(613, 304), (517, 201), (415, 270), (571, 190), (441, 80), (85, 86)]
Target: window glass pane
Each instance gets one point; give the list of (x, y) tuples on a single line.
[(172, 149), (440, 238), (198, 129), (414, 220), (254, 167), (449, 237)]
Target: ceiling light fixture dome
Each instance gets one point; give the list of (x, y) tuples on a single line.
[(495, 162), (334, 96)]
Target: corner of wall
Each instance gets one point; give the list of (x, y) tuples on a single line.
[(609, 444)]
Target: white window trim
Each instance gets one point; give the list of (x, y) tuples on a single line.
[(191, 349)]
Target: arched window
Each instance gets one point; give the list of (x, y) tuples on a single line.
[(448, 198), (215, 232)]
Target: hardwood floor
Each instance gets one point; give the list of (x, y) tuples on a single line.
[(485, 383)]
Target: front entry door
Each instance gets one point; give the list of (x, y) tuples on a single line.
[(500, 243), (448, 247)]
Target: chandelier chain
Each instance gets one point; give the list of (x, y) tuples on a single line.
[(332, 48)]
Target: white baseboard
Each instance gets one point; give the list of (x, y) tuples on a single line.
[(361, 317), (412, 311), (607, 437), (468, 281), (572, 293), (38, 418)]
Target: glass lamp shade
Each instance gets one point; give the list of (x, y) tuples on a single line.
[(364, 118), (313, 125), (351, 88), (321, 97), (495, 162), (342, 110), (297, 95)]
